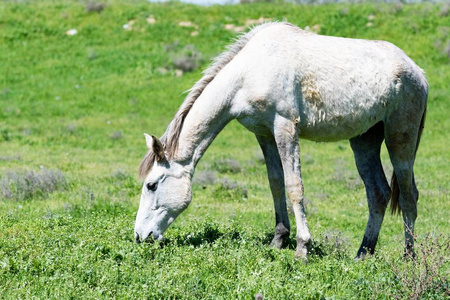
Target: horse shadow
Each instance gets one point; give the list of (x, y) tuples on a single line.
[(211, 233), (207, 234), (318, 248)]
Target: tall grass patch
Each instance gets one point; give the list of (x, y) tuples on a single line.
[(28, 185)]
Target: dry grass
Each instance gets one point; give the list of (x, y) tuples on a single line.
[(223, 187), (205, 178), (93, 6), (442, 43), (232, 189), (19, 185), (425, 273), (227, 165), (345, 175), (187, 59), (116, 135)]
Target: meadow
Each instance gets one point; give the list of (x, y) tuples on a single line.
[(79, 85)]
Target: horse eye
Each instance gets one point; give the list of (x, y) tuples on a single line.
[(151, 186)]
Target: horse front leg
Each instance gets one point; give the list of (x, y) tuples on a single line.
[(276, 181), (286, 137)]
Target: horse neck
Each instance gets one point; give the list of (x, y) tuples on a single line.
[(207, 117)]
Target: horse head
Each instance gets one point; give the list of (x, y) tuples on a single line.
[(166, 193)]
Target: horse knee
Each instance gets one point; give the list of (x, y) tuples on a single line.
[(296, 197), (409, 208), (276, 186), (379, 199)]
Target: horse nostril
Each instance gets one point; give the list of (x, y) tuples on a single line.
[(136, 238)]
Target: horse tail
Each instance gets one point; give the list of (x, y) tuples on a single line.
[(395, 193), (395, 190)]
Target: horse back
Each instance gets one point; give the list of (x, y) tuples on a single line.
[(336, 87)]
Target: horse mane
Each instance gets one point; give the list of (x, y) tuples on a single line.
[(171, 136)]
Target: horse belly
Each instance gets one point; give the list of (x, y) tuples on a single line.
[(331, 110), (338, 123)]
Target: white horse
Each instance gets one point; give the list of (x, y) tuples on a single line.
[(283, 83)]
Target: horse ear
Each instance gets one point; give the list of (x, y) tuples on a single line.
[(148, 141), (155, 144)]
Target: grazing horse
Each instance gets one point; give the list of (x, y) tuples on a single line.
[(282, 84)]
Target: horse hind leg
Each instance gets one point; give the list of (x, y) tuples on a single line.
[(366, 149), (402, 134), (276, 181)]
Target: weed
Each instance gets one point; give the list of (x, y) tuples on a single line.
[(119, 174), (188, 59), (28, 185), (227, 165), (232, 189), (335, 240), (93, 6), (332, 243), (172, 47), (10, 158), (124, 185), (259, 157), (307, 159), (442, 43), (223, 187), (116, 135), (71, 128), (349, 177), (444, 10), (425, 273), (67, 207), (92, 54), (204, 178), (183, 59), (5, 134), (344, 11)]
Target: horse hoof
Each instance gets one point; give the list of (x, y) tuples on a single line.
[(276, 243), (301, 254), (360, 257)]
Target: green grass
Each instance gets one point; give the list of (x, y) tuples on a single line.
[(81, 103)]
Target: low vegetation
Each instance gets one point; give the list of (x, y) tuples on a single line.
[(30, 185), (81, 81), (422, 275)]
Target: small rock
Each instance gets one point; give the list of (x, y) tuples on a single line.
[(178, 73), (187, 24), (229, 26), (129, 25), (162, 71), (316, 28), (71, 32), (151, 20)]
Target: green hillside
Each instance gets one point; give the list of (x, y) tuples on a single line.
[(79, 85)]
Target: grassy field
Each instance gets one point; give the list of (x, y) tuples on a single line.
[(73, 109)]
